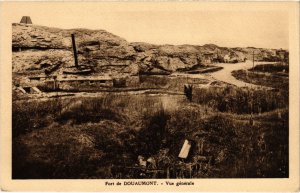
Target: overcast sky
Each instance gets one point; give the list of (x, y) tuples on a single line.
[(240, 27)]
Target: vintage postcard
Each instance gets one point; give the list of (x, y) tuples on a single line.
[(149, 96)]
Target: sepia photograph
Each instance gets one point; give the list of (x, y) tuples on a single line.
[(113, 93)]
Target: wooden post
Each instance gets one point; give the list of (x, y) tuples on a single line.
[(190, 170), (54, 84), (168, 172), (253, 61)]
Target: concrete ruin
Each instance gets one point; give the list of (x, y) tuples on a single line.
[(29, 90), (94, 83)]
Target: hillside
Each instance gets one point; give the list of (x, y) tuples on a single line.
[(37, 48)]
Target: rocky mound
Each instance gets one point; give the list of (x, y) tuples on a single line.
[(38, 48)]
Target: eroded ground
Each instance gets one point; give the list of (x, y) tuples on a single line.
[(235, 132)]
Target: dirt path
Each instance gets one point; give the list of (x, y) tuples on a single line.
[(226, 76), (64, 95)]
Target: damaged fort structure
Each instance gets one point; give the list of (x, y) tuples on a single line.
[(77, 78)]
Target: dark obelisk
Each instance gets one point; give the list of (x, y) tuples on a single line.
[(74, 50)]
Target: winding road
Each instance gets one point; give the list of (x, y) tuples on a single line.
[(226, 76)]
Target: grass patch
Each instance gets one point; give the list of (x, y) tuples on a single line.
[(271, 68), (240, 100), (83, 138), (270, 80)]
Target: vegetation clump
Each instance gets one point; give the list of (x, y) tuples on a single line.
[(102, 137)]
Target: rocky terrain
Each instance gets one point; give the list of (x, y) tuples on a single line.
[(235, 131), (38, 48)]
